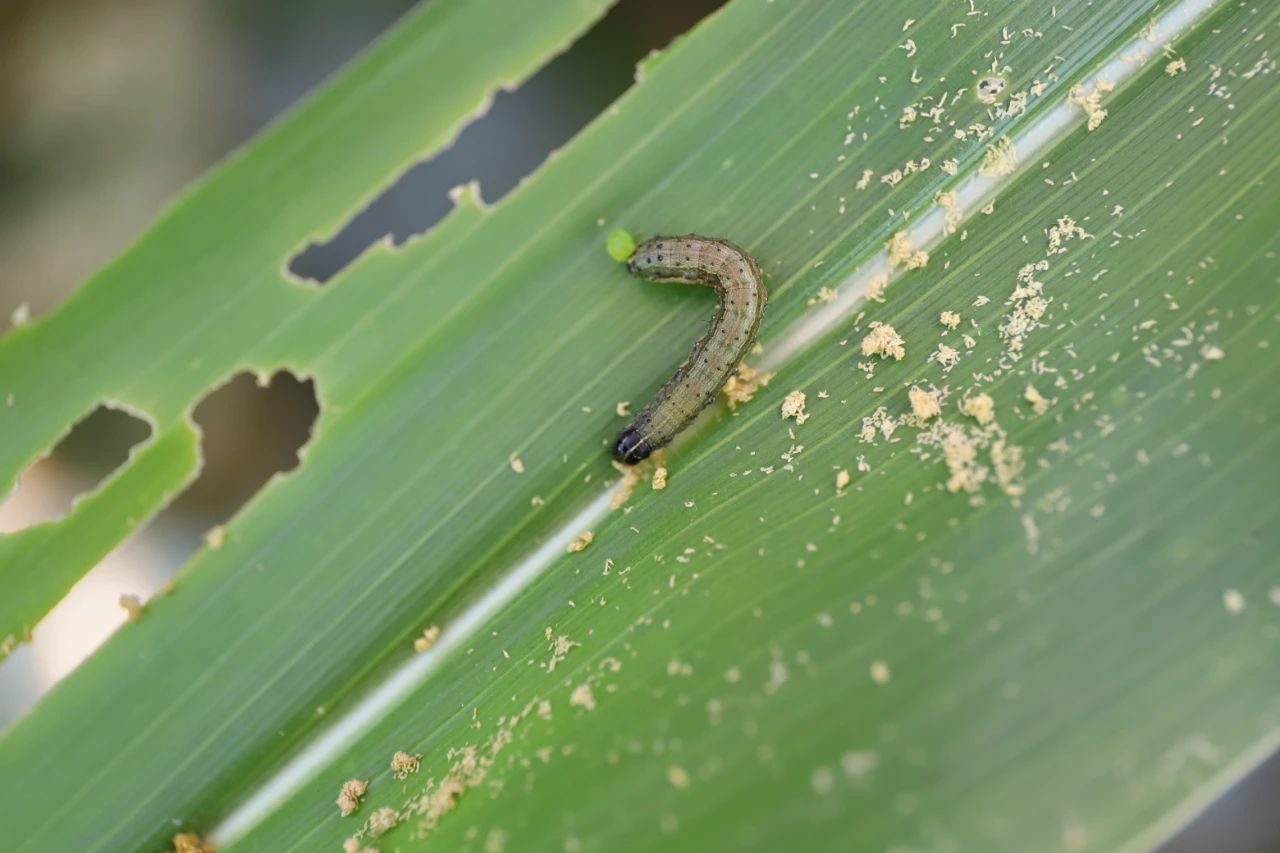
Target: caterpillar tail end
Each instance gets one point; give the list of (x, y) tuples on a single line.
[(631, 448)]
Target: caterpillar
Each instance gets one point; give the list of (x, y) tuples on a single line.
[(736, 278)]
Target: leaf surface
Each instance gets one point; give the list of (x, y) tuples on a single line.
[(752, 657)]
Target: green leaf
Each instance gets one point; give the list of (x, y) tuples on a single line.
[(213, 265), (1078, 652), (39, 564)]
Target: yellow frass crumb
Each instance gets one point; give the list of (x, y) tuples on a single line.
[(883, 340), (953, 217), (1177, 66), (559, 645), (874, 291), (634, 475), (354, 845), (582, 697), (980, 407), (950, 319), (215, 537), (444, 799), (1210, 352), (924, 404), (581, 542), (659, 481), (903, 251), (961, 454), (822, 780), (623, 408), (1090, 101), (826, 295), (349, 798), (880, 672), (842, 478), (516, 463), (1000, 158), (1027, 305), (427, 640), (961, 447), (132, 605), (900, 247), (946, 356), (404, 763), (1039, 404), (470, 765), (744, 384), (793, 407), (1233, 601), (383, 820), (678, 776), (626, 485), (879, 421), (1062, 232), (191, 842)]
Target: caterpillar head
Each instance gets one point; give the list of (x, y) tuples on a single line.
[(631, 447)]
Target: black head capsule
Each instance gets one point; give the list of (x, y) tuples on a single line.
[(630, 448)]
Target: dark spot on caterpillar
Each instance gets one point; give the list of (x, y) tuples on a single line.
[(721, 348), (630, 448)]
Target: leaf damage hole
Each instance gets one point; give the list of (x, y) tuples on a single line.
[(518, 133), (989, 88), (96, 447), (253, 428)]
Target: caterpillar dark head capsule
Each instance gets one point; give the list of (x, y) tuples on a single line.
[(630, 448)]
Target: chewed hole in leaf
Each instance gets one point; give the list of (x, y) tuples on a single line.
[(93, 449), (517, 134), (252, 430), (988, 88)]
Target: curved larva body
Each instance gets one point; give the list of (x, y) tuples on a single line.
[(737, 281)]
